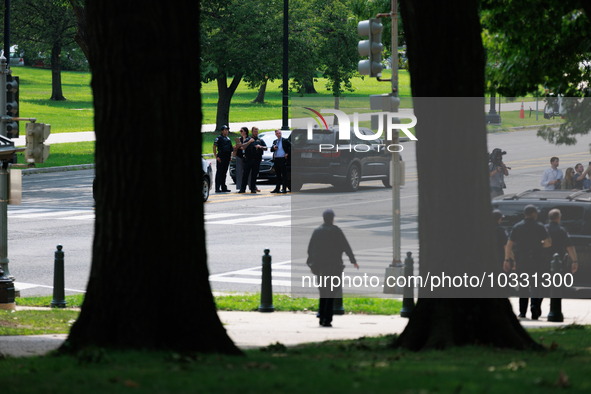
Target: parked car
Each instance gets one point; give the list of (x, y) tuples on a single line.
[(16, 57), (575, 207), (207, 178), (345, 165), (267, 169)]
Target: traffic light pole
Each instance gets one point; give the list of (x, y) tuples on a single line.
[(3, 175), (396, 167), (4, 217), (395, 156)]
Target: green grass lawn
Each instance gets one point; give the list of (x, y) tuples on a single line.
[(77, 113), (74, 114), (67, 154), (364, 365), (250, 302)]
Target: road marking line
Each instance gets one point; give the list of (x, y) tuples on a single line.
[(249, 219)]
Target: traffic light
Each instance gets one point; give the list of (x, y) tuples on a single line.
[(371, 48), (12, 105), (36, 151)]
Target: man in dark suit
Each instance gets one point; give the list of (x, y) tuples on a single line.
[(325, 258), (281, 150)]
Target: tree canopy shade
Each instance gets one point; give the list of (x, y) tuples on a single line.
[(243, 40), (455, 229), (540, 42), (46, 27), (149, 233)]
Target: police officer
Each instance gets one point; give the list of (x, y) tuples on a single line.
[(529, 237), (253, 150), (222, 151), (561, 242)]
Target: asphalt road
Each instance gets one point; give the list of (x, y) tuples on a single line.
[(58, 209)]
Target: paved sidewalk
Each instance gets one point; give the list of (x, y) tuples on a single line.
[(253, 329)]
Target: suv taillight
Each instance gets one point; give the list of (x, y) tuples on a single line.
[(331, 154)]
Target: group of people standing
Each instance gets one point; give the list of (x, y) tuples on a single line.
[(248, 151), (577, 178), (529, 249), (574, 179)]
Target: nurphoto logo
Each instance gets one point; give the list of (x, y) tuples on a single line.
[(345, 124)]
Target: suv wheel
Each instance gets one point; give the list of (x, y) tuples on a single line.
[(205, 190), (386, 182), (353, 178)]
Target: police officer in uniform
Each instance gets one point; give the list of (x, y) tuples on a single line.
[(253, 150), (561, 242), (222, 151), (529, 237)]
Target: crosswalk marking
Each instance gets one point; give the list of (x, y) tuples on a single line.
[(250, 219), (373, 262), (52, 214), (79, 217)]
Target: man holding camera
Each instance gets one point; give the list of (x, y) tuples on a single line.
[(552, 176), (497, 172)]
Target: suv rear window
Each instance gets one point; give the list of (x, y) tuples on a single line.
[(300, 138)]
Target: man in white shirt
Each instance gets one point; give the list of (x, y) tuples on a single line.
[(552, 176)]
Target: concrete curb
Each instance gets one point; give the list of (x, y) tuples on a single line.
[(29, 171)]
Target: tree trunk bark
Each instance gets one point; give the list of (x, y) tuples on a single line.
[(225, 94), (81, 37), (309, 86), (455, 227), (148, 286), (261, 95), (56, 73)]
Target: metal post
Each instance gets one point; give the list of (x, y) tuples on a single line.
[(493, 117), (4, 218), (555, 292), (285, 116), (408, 302), (337, 307), (3, 113), (266, 285), (59, 296), (7, 293), (395, 155), (7, 32)]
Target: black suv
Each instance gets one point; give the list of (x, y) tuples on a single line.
[(327, 159), (575, 207)]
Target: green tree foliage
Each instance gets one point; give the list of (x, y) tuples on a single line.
[(337, 37), (540, 42), (239, 40), (45, 27)]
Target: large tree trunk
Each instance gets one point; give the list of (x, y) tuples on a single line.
[(149, 243), (56, 73), (81, 37), (225, 94), (309, 86), (455, 228), (261, 95)]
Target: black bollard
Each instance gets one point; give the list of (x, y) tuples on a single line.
[(59, 296), (266, 285), (6, 292), (555, 292), (337, 307), (408, 302)]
